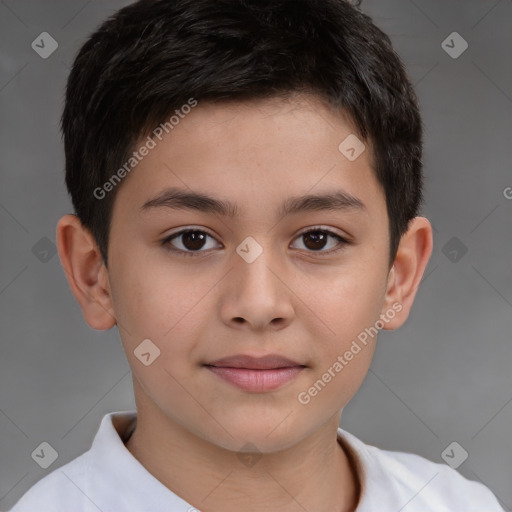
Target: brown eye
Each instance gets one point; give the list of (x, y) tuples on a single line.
[(193, 240), (315, 240), (187, 242)]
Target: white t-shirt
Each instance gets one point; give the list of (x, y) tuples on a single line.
[(108, 478)]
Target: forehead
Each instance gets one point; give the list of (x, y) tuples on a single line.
[(270, 150)]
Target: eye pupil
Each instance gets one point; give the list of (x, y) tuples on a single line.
[(193, 240), (318, 238)]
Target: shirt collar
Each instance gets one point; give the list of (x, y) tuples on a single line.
[(114, 467), (111, 457)]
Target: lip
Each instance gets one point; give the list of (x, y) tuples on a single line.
[(268, 362), (256, 374)]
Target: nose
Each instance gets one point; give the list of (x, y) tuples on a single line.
[(257, 295)]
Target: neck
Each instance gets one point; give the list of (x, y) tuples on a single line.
[(318, 473)]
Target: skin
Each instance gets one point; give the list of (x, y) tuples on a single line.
[(292, 300)]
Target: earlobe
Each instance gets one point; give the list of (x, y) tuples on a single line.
[(412, 257), (85, 272)]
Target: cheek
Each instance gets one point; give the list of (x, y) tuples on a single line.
[(345, 304), (160, 303), (350, 308), (149, 297), (344, 349), (158, 316)]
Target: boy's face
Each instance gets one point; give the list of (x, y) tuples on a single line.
[(217, 296)]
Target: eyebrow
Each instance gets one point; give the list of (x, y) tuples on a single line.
[(179, 199)]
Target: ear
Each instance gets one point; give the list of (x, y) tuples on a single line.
[(86, 272), (412, 256)]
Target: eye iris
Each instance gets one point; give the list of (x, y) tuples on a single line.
[(193, 240), (317, 237)]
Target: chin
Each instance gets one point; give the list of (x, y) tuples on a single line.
[(267, 436)]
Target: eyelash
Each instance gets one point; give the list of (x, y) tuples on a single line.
[(180, 252)]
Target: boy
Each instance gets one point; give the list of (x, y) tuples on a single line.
[(246, 177)]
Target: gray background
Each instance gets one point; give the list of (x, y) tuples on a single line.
[(445, 376)]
